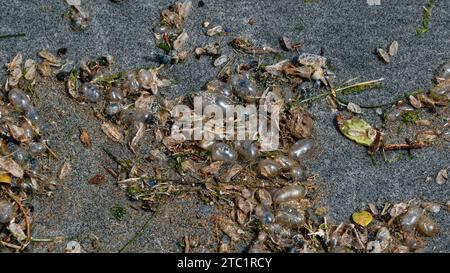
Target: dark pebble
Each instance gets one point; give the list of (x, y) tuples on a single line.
[(201, 4), (62, 52), (62, 76)]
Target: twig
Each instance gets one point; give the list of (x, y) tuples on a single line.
[(27, 220), (397, 147), (6, 36), (187, 246), (139, 233), (10, 245)]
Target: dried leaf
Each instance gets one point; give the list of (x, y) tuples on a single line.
[(9, 165), (383, 55), (30, 69), (97, 179), (16, 231), (85, 138), (299, 123), (230, 173), (442, 176), (138, 136), (393, 48), (356, 129), (66, 168), (312, 60), (5, 178), (286, 43), (112, 132), (362, 218), (49, 58), (214, 31), (180, 41), (212, 168), (45, 69), (415, 102)]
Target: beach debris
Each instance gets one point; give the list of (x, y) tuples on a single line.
[(442, 176), (383, 55)]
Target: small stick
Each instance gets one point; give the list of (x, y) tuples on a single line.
[(27, 220), (6, 36), (187, 246), (397, 147)]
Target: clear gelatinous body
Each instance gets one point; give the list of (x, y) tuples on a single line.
[(115, 94), (247, 149), (90, 92), (7, 211), (285, 162), (264, 214), (410, 219), (288, 193), (269, 168), (301, 148), (113, 109), (19, 100), (297, 172), (223, 152), (426, 226), (289, 217)]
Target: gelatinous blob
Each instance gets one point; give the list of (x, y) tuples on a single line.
[(223, 152), (247, 149), (285, 162), (264, 197), (264, 214), (244, 88), (410, 219), (113, 109), (18, 154), (301, 148), (90, 92), (19, 100), (288, 193), (269, 168), (297, 172), (289, 217), (131, 83), (7, 211), (206, 144), (37, 148), (426, 226), (115, 94)]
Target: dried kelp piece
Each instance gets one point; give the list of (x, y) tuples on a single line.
[(29, 69), (356, 129), (214, 31)]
